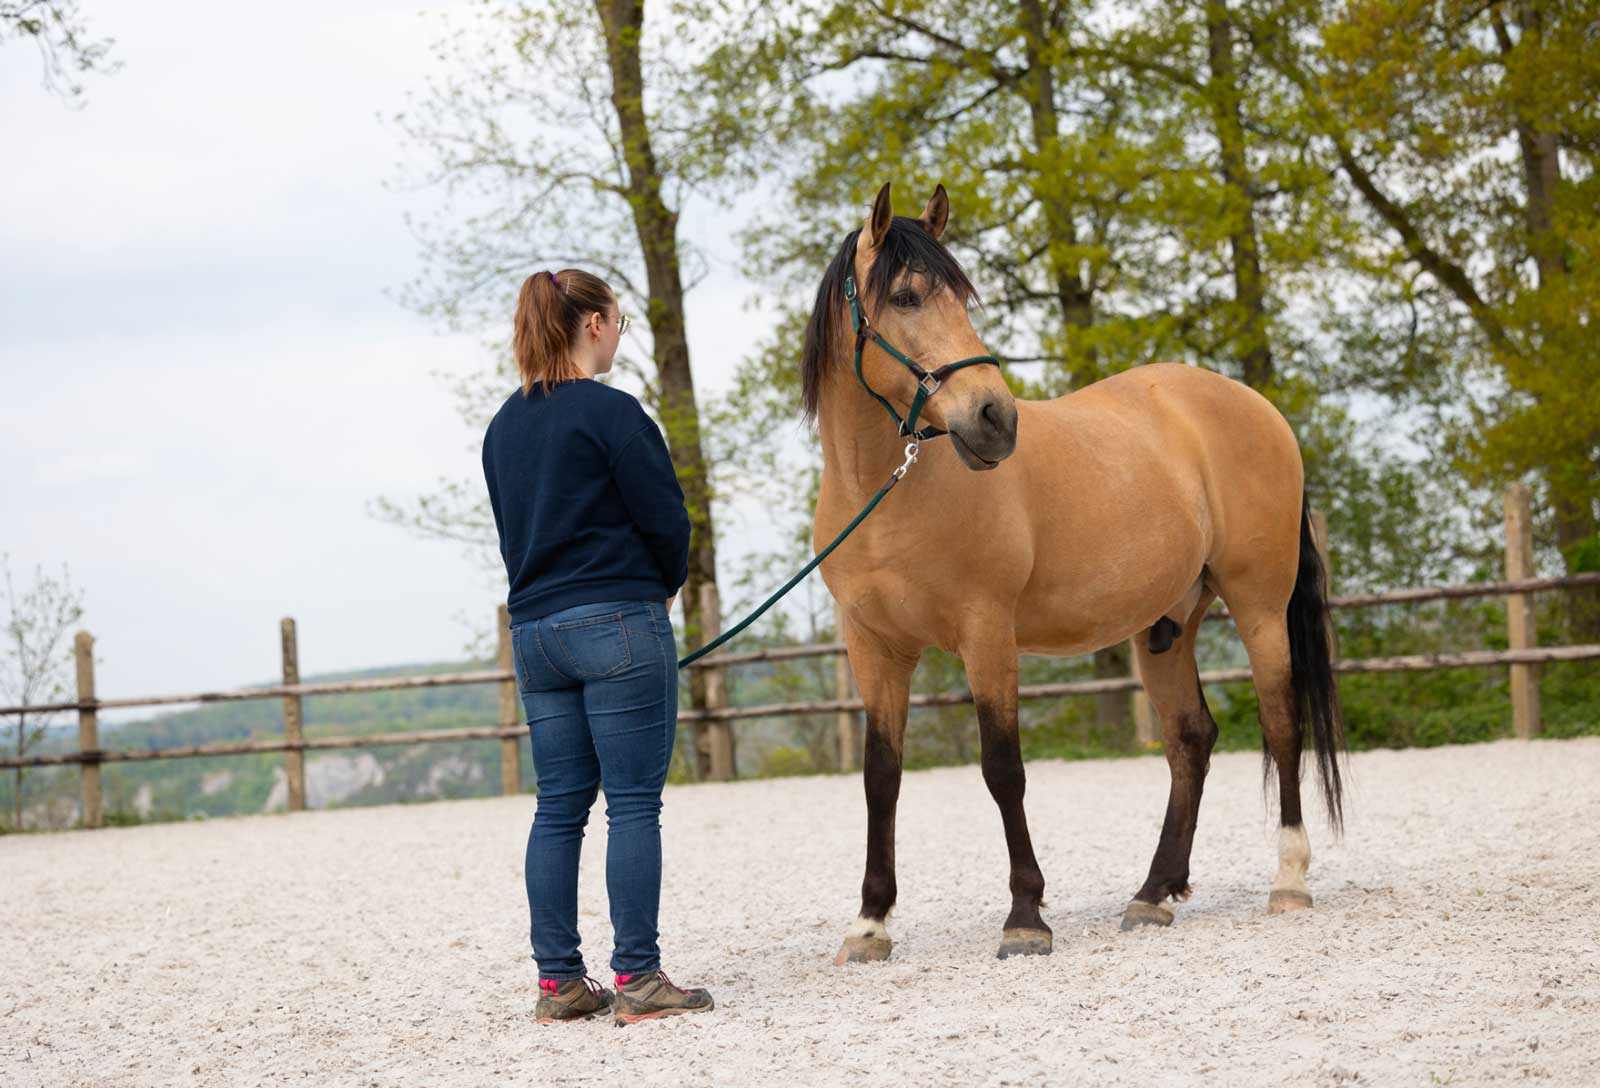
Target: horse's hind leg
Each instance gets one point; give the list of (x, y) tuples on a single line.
[(1188, 733), (1266, 640)]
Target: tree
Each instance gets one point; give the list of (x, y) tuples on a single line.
[(1469, 134), (35, 658), (549, 153), (65, 48)]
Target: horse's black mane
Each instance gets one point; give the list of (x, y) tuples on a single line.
[(908, 244)]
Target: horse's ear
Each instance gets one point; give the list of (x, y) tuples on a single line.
[(937, 213), (877, 228)]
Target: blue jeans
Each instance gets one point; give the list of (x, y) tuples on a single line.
[(600, 685)]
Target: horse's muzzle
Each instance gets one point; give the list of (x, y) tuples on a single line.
[(987, 436)]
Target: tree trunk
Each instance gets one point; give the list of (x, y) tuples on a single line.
[(16, 797), (1252, 347), (1113, 709), (1556, 323), (657, 227), (1075, 297)]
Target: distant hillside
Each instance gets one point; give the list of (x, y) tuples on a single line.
[(182, 788), (257, 718)]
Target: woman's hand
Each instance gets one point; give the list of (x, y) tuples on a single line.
[(670, 599)]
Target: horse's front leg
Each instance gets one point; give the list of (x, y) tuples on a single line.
[(990, 656), (883, 675)]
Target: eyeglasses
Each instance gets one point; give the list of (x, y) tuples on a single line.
[(623, 322)]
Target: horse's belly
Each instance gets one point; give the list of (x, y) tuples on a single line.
[(1069, 626), (1068, 644), (1085, 595)]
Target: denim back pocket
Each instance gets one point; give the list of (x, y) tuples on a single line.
[(516, 659), (594, 647), (520, 634)]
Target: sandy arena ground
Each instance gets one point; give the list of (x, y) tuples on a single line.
[(1455, 940)]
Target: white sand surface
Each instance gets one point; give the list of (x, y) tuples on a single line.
[(1456, 940)]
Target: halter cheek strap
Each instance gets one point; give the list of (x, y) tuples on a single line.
[(928, 381)]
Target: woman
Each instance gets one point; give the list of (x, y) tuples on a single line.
[(596, 544)]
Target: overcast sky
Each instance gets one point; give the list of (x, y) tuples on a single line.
[(203, 382)]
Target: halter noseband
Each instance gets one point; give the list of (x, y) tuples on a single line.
[(928, 381)]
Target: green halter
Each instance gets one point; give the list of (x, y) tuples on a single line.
[(928, 382)]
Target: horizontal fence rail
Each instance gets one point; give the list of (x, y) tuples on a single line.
[(332, 687), (782, 653), (1405, 663), (245, 748), (714, 742)]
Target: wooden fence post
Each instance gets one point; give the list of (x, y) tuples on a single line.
[(294, 760), (1519, 612), (88, 732), (718, 735), (1146, 723), (1319, 537), (510, 710), (844, 688)]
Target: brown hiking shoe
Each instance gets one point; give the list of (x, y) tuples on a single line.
[(572, 999), (645, 997)]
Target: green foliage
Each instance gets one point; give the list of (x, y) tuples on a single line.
[(1468, 136), (1584, 555), (786, 761)]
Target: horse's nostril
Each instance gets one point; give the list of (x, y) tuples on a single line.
[(992, 416)]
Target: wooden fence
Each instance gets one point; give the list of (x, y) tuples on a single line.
[(1523, 657)]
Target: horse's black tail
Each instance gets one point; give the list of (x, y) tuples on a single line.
[(1315, 691)]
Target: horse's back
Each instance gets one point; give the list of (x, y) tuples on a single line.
[(1167, 420)]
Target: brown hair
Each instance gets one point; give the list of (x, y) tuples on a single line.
[(550, 310)]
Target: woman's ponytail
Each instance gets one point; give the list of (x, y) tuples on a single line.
[(551, 308)]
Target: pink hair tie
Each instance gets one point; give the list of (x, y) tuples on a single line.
[(557, 283)]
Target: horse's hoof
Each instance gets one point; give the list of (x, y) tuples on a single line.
[(1140, 913), (1284, 900), (863, 950), (1025, 942)]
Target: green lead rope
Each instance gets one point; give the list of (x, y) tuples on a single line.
[(807, 569)]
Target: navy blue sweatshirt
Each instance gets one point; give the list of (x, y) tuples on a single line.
[(585, 499)]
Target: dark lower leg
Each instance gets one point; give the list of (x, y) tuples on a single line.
[(1280, 734), (1188, 755), (1007, 781), (1287, 763), (880, 773)]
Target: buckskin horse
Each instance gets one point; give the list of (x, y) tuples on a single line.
[(1053, 527)]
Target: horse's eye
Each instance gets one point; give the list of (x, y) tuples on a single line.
[(905, 300)]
